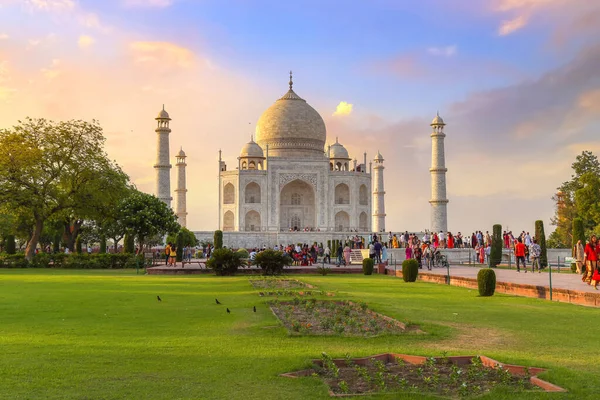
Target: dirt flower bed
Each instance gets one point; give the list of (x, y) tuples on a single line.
[(279, 283), (326, 317), (301, 293), (437, 376)]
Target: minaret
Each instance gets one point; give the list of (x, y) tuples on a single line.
[(378, 195), (163, 166), (181, 190), (439, 216)]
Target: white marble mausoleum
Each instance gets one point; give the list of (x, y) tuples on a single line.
[(287, 180)]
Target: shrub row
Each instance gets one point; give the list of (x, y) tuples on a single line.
[(71, 261)]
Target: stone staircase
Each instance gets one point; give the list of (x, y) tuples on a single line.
[(356, 257)]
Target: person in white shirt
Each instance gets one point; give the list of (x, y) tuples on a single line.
[(442, 239)]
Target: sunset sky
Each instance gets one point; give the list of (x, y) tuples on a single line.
[(517, 82)]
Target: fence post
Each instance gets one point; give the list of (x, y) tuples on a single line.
[(559, 264), (550, 277)]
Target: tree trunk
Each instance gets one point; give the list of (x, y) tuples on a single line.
[(71, 233), (35, 238)]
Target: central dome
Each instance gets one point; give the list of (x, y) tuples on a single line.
[(291, 128)]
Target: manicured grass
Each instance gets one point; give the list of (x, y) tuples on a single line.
[(104, 335)]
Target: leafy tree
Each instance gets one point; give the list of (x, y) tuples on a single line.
[(145, 216), (10, 245), (541, 239), (188, 238), (587, 201), (129, 244), (578, 231), (78, 245), (114, 229), (566, 210), (49, 169), (496, 250)]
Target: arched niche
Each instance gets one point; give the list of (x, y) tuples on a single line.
[(229, 194), (342, 221), (342, 194), (228, 221), (363, 195), (252, 221), (363, 222), (252, 193)]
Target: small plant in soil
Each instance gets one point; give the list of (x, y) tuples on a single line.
[(323, 317), (437, 376)]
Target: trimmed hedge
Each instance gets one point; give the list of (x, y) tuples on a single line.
[(486, 282), (71, 261), (272, 262), (218, 239), (496, 250), (410, 270), (541, 240), (367, 266)]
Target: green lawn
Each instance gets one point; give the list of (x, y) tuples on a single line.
[(104, 335)]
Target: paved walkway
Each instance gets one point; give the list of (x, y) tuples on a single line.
[(562, 281)]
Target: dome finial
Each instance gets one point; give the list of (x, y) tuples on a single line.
[(291, 82), (163, 107)]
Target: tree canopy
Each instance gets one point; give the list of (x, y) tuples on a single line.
[(578, 197), (56, 170), (145, 216)]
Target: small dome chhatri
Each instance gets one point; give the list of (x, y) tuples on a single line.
[(438, 120), (337, 150), (181, 153), (378, 157), (163, 114), (252, 149)]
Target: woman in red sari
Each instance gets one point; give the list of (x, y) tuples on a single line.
[(436, 240), (450, 240)]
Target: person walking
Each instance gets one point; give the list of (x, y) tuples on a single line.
[(520, 254), (428, 255), (377, 246), (535, 251), (579, 253), (590, 259), (167, 253), (172, 255), (327, 255), (340, 255), (347, 252), (408, 252)]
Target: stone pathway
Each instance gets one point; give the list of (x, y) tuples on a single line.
[(559, 281)]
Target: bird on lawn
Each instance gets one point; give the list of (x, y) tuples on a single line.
[(158, 298), (254, 308), (228, 312), (217, 300)]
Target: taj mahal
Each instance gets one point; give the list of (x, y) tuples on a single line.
[(287, 186)]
